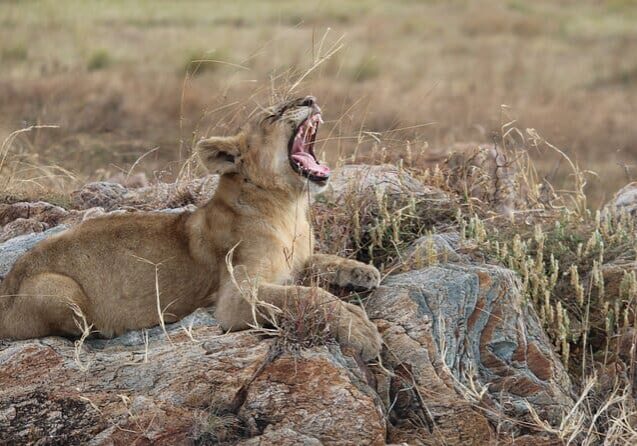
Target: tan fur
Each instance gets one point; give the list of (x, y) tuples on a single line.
[(108, 266)]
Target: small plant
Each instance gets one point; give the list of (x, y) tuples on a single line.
[(15, 53), (217, 425), (367, 68), (99, 60)]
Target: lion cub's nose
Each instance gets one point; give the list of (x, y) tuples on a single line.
[(309, 101)]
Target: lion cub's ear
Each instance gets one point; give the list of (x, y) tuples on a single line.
[(220, 153)]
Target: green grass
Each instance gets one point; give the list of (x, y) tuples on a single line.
[(99, 60), (17, 53)]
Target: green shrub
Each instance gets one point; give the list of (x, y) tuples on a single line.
[(98, 60)]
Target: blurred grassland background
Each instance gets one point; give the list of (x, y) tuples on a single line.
[(122, 79)]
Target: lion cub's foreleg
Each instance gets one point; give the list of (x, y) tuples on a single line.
[(343, 273), (46, 304), (236, 310)]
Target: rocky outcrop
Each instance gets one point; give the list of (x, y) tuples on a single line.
[(465, 360), (467, 353), (39, 211), (463, 355), (195, 386)]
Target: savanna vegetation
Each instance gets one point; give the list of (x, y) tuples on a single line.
[(90, 89)]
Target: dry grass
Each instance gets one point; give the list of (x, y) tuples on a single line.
[(134, 86), (112, 76)]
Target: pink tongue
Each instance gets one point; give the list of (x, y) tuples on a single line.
[(309, 163)]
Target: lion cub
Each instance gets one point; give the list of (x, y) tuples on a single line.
[(106, 268)]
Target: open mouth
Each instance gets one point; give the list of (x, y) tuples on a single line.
[(301, 150)]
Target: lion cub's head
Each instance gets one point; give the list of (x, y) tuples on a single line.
[(275, 150)]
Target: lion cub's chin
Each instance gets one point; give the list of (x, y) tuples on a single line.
[(317, 188)]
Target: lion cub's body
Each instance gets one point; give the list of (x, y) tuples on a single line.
[(102, 255), (121, 272)]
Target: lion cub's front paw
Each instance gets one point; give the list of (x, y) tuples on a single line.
[(358, 276), (356, 331)]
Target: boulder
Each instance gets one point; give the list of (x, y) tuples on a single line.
[(364, 180), (28, 217), (464, 349), (40, 211), (21, 226), (465, 358), (624, 200), (463, 354), (157, 196), (99, 194), (12, 249), (373, 180), (195, 385), (431, 249)]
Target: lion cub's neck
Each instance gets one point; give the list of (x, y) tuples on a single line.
[(242, 212), (248, 200)]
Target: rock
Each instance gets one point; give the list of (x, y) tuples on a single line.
[(197, 386), (39, 211), (464, 355), (21, 226), (29, 217), (615, 304), (365, 207), (100, 194), (624, 200), (361, 179), (460, 338), (14, 248), (157, 196), (171, 195), (367, 180), (431, 249), (315, 382)]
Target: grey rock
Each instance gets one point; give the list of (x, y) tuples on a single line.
[(40, 211), (624, 200), (439, 248), (112, 196), (466, 334), (21, 226), (362, 179), (99, 194), (12, 249)]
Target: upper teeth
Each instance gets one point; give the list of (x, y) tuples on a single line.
[(309, 128)]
